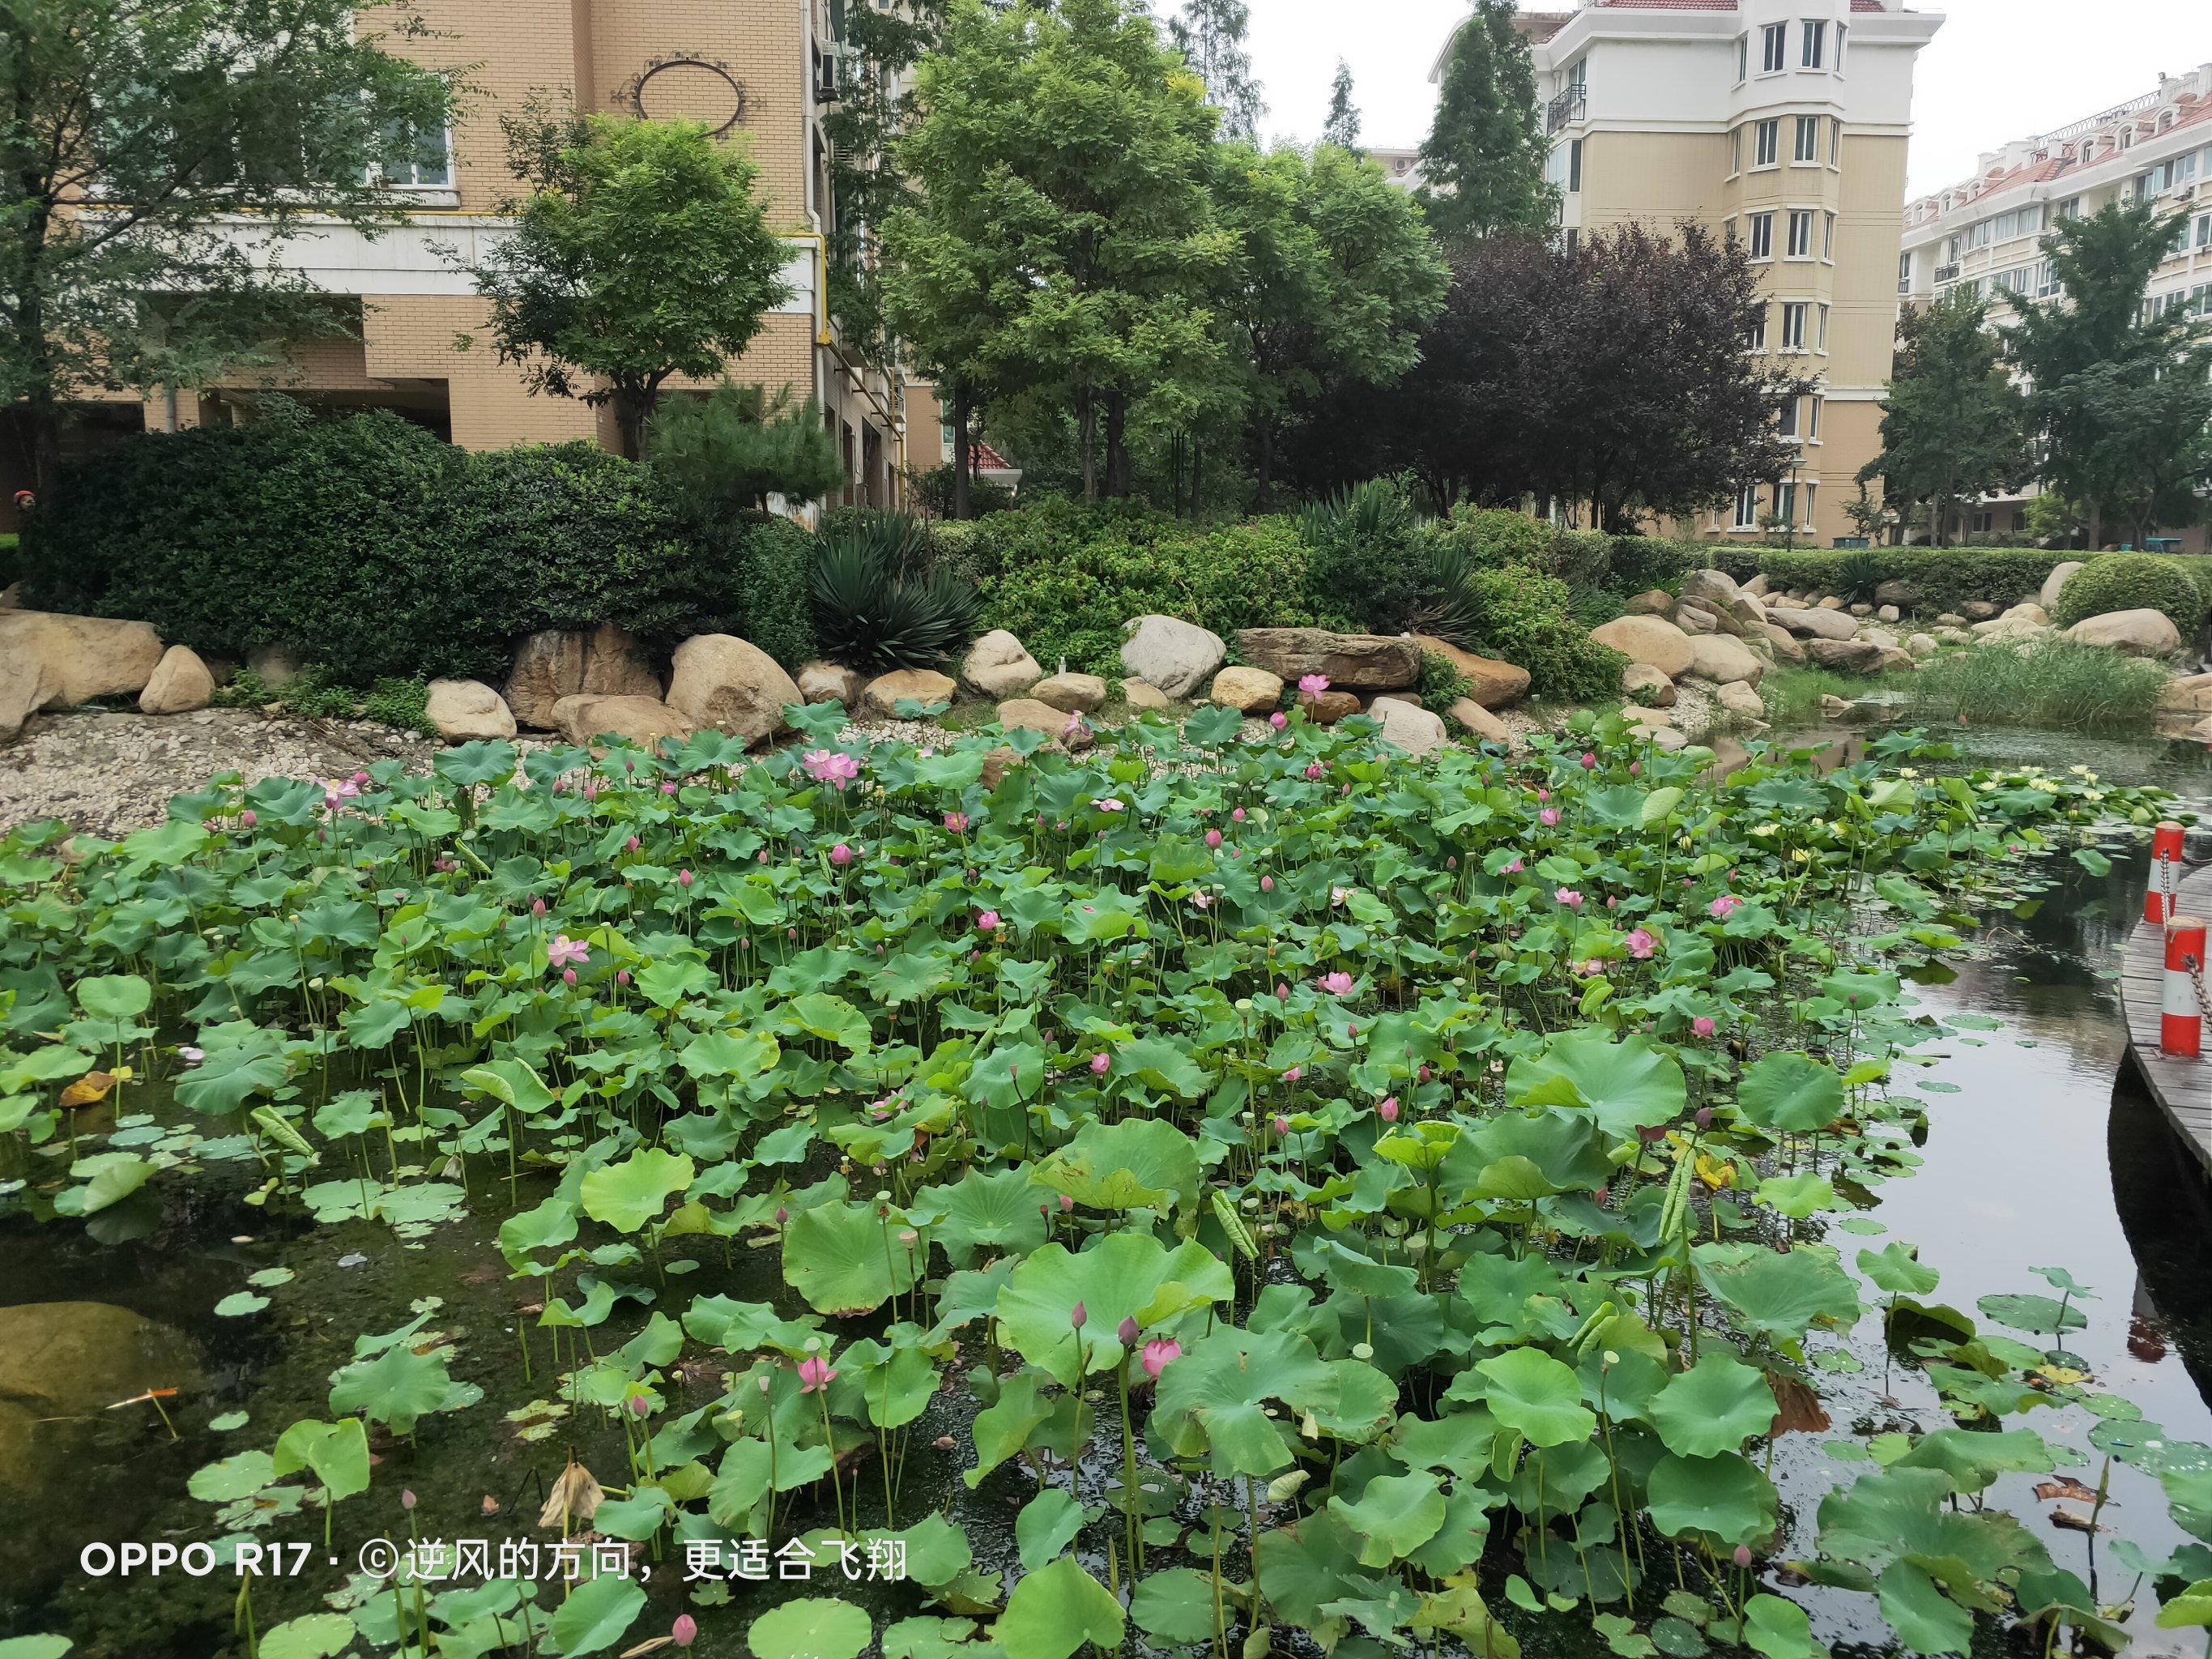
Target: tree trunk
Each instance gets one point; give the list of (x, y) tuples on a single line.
[(45, 422), (1197, 474), (1117, 449), (1263, 450), (2096, 526), (1087, 429), (961, 453), (630, 424)]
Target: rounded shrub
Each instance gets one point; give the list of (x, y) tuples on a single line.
[(1495, 537), (1525, 618), (2131, 582)]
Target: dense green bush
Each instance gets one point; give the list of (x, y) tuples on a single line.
[(1064, 587), (774, 562), (1524, 617), (1367, 558), (341, 540), (1492, 538), (1943, 578), (2131, 582), (1582, 559), (1641, 564)]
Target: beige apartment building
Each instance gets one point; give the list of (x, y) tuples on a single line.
[(762, 71), (1783, 124), (1987, 232)]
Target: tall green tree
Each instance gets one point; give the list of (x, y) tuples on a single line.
[(1210, 34), (134, 135), (1483, 161), (1334, 276), (1341, 128), (2119, 400), (738, 446), (640, 253), (1060, 239), (1953, 428)]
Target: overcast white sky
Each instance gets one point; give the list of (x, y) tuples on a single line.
[(1998, 70)]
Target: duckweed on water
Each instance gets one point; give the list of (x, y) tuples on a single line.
[(1340, 1203)]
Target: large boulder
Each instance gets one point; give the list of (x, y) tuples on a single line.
[(1844, 656), (19, 692), (998, 666), (1724, 661), (1881, 637), (1976, 610), (1652, 640), (831, 682), (62, 1365), (1143, 694), (2130, 633), (641, 721), (1253, 691), (1783, 643), (1739, 700), (468, 711), (1812, 624), (1758, 586), (1327, 708), (1027, 714), (1922, 645), (2189, 696), (2054, 583), (1409, 726), (1485, 726), (1493, 684), (1353, 662), (1176, 656), (80, 658), (1654, 602), (605, 661), (732, 685), (1748, 611), (1071, 694), (1897, 592), (1642, 683), (924, 685), (181, 683), (1716, 586), (1695, 617)]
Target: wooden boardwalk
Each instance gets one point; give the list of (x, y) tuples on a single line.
[(2183, 1088)]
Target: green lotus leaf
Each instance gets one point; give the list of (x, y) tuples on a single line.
[(1461, 1612), (1778, 1628), (670, 981), (842, 1258), (1779, 1293), (1140, 1162), (1176, 1606), (1629, 1083), (240, 1475), (2189, 1495), (1047, 1525), (511, 1082), (115, 1181), (1713, 1407), (312, 1636), (1525, 1154), (740, 1054), (1394, 1516), (1790, 1092), (337, 1454), (895, 1383), (114, 996), (1797, 1196), (1925, 1621), (810, 1627), (831, 1018), (395, 1388), (998, 1213), (629, 1194), (1160, 1063), (1530, 1392), (929, 1638), (1306, 1568), (2191, 1610), (1223, 1377), (1053, 1612), (1973, 1459), (34, 1647), (1123, 1275), (1895, 1268), (1003, 1428), (1725, 1499), (546, 1227), (239, 1304), (2033, 1313)]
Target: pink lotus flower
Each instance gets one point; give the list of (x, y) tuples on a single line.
[(1589, 969), (1338, 895), (1282, 1127), (668, 788), (1703, 1025), (988, 922), (1641, 945), (1313, 684), (1635, 769), (1213, 838), (1314, 770), (1294, 1073), (1725, 906), (1388, 1111), (566, 949), (1110, 804), (249, 818), (1266, 884), (1128, 1332), (1159, 1353), (1337, 984), (1548, 817), (1238, 816), (814, 1374), (1514, 868), (684, 878), (1279, 719), (841, 855), (1589, 763), (956, 822), (1200, 900), (684, 1631), (1100, 1065), (568, 975), (1568, 897), (831, 766)]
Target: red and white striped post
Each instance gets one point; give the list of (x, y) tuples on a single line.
[(2181, 1029), (2165, 843)]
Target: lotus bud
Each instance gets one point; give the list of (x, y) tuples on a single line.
[(684, 1631), (1266, 884), (1604, 1196), (640, 1405), (1388, 1111), (1238, 816), (406, 1499), (568, 975), (782, 1215), (1279, 719), (1635, 769), (1077, 1316), (1589, 763), (1127, 1332), (683, 878), (538, 907), (1703, 1117), (1743, 1555), (1282, 1127), (630, 845), (249, 818), (764, 1382), (1065, 1203), (1425, 1074), (1213, 838), (1099, 1065)]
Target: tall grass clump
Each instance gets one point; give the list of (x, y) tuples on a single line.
[(1793, 696), (2055, 682)]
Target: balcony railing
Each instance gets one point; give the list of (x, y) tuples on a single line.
[(1568, 106), (1946, 274)]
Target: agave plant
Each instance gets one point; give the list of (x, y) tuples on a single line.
[(1857, 577), (879, 605)]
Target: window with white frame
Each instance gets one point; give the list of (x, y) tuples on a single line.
[(1822, 344), (1843, 33), (2204, 231), (1735, 151), (1774, 48), (1766, 148), (1743, 57), (1786, 426), (1807, 148), (1816, 44), (1756, 339), (1785, 500), (2045, 283), (1813, 424), (1801, 235), (1836, 141), (1747, 507), (1904, 272), (1828, 237), (2069, 209), (1762, 235), (1795, 314), (1806, 493), (416, 158)]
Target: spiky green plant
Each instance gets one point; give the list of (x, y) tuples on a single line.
[(879, 604), (1857, 577)]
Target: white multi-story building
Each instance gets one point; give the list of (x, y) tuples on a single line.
[(1783, 124), (1988, 231)]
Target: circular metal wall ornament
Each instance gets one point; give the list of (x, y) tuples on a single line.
[(690, 89)]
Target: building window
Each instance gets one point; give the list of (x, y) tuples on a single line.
[(1813, 428), (1828, 237), (1903, 271), (1575, 166), (1785, 501), (1743, 57), (1766, 151), (1787, 426), (1816, 42), (416, 159), (2046, 284), (1808, 148), (1801, 235), (1747, 507), (1735, 152), (1774, 48), (2069, 209), (1836, 142), (1823, 341), (1810, 490), (1762, 235), (1842, 32), (2204, 231), (1795, 314), (1756, 339)]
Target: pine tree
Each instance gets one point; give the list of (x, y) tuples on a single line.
[(1342, 127), (1484, 159), (1210, 34), (1951, 431)]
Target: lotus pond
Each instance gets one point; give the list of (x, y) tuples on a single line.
[(1195, 1196)]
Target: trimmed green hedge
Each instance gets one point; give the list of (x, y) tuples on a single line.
[(2133, 581), (1944, 579)]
